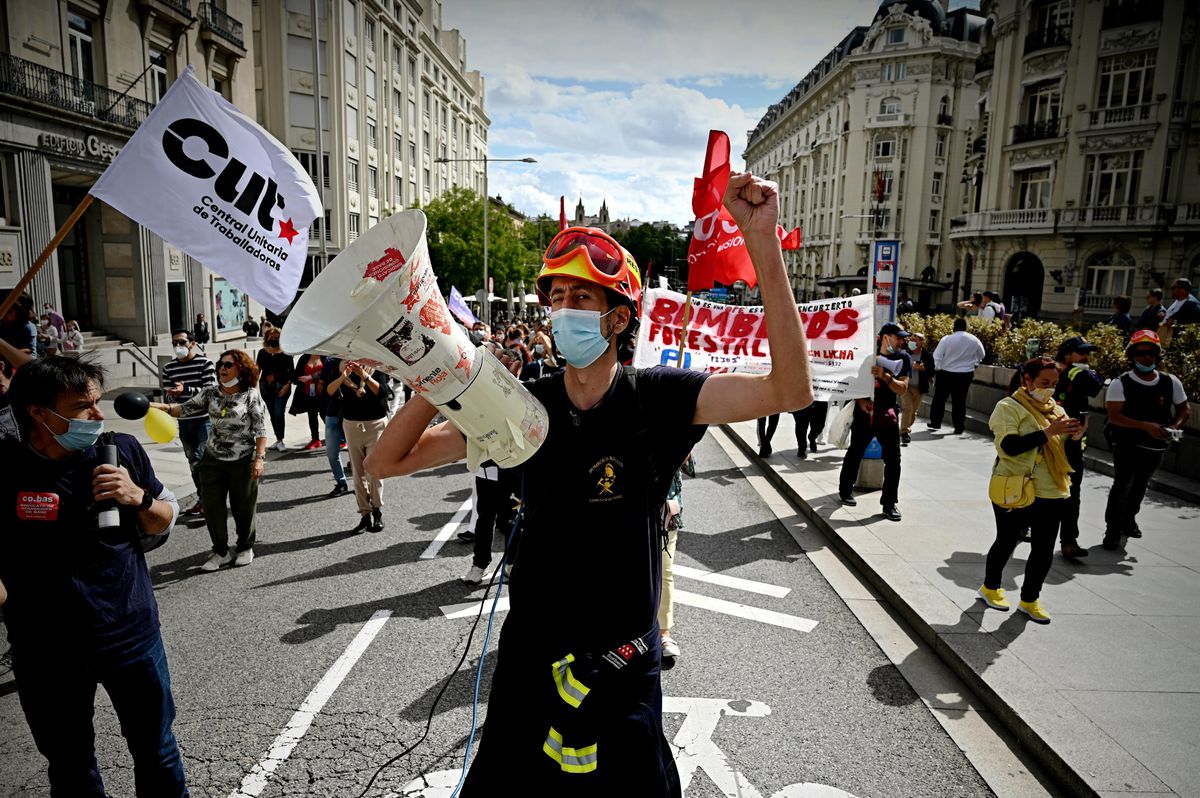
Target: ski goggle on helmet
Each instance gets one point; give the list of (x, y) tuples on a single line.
[(595, 257)]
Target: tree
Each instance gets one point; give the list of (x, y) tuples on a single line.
[(456, 244), (657, 251)]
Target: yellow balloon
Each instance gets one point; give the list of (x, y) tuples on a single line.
[(161, 427)]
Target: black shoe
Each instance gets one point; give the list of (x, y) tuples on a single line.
[(802, 454), (364, 524), (812, 445), (1111, 544), (958, 432), (933, 426), (1024, 537), (1134, 533), (764, 450), (891, 513), (1073, 550), (847, 499), (340, 489), (905, 439), (195, 510), (466, 536), (376, 520)]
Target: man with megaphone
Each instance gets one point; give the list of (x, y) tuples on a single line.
[(576, 702)]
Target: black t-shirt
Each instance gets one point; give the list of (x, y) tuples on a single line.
[(885, 398), (368, 407), (1076, 385), (70, 587), (588, 568), (330, 371), (274, 371)]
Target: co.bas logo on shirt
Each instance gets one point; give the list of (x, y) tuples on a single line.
[(37, 506), (607, 474)]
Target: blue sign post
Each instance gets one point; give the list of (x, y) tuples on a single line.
[(885, 280)]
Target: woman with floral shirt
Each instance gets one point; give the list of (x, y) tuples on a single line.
[(234, 456)]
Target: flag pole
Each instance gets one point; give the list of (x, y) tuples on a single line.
[(16, 292), (687, 311)]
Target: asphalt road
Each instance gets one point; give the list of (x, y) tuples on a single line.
[(791, 691)]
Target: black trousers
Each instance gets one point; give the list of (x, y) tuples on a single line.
[(885, 429), (810, 422), (766, 429), (1070, 516), (1133, 466), (952, 384), (1042, 519), (493, 510)]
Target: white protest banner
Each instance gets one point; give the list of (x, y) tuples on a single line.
[(730, 338), (207, 179)]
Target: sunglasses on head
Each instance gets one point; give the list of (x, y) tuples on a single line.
[(227, 364), (603, 253)]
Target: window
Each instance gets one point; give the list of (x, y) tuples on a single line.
[(412, 70), (397, 102), (444, 118), (890, 105), (884, 182), (79, 38), (369, 82), (309, 161), (353, 227), (350, 18), (428, 182), (885, 147), (372, 221), (369, 32), (350, 65), (351, 123), (412, 152), (936, 187), (412, 114), (1043, 102), (1110, 274), (901, 71), (302, 113), (352, 174), (1112, 178), (397, 145), (372, 141), (398, 191), (1033, 189), (1126, 79), (300, 54), (412, 27), (883, 219), (425, 63), (1054, 15), (425, 142), (896, 36), (158, 75), (939, 146), (935, 222), (397, 57), (425, 103), (885, 71), (944, 106), (372, 182)]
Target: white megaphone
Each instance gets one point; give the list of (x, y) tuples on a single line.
[(378, 303)]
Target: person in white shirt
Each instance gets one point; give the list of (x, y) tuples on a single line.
[(955, 357), (991, 310)]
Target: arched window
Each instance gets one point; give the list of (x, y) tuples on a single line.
[(1109, 273), (944, 107), (889, 105)]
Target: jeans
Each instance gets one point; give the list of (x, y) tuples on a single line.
[(952, 384), (334, 438), (1042, 518), (886, 430), (232, 479), (277, 410), (193, 435), (1133, 467), (58, 696), (1070, 516)]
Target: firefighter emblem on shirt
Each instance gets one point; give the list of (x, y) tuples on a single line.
[(607, 476)]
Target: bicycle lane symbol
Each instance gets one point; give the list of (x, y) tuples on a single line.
[(694, 750)]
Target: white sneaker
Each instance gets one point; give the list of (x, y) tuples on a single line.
[(244, 557), (280, 446), (507, 573), (215, 561), (474, 576), (670, 649)]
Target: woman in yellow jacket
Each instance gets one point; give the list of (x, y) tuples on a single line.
[(1029, 427)]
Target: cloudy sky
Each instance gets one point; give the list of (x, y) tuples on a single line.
[(615, 98)]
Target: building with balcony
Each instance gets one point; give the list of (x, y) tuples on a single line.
[(77, 77), (870, 145), (396, 95), (1083, 185)]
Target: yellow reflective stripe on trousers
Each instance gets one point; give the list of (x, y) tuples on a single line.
[(571, 760), (571, 689)]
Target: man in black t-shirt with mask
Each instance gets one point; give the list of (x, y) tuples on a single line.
[(80, 608), (576, 703)]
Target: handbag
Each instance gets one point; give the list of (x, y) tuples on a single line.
[(1012, 492), (839, 428)]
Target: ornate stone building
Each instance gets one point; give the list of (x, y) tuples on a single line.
[(870, 144), (1085, 165)]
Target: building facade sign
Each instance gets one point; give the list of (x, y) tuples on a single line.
[(72, 147)]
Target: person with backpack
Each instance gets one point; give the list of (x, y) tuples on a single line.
[(576, 699), (1146, 412)]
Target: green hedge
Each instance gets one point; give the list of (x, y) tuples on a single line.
[(1007, 347)]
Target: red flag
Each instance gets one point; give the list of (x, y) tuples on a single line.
[(788, 240), (562, 212), (717, 252)]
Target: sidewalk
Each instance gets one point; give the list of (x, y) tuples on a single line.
[(1106, 697)]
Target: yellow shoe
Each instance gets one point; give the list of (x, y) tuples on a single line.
[(1034, 609), (994, 598)]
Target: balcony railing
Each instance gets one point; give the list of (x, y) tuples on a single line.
[(1044, 39), (945, 119), (985, 63), (1127, 115), (220, 23), (182, 6), (21, 78), (1039, 220), (888, 120), (1178, 109), (1113, 216), (979, 145), (1035, 131), (1130, 12)]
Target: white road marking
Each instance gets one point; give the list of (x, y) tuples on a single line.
[(471, 608), (749, 585), (744, 611), (436, 544), (256, 780)]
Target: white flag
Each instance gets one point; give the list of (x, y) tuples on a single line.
[(206, 178)]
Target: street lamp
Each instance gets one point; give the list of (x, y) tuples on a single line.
[(487, 304)]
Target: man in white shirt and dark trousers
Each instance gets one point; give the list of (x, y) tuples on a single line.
[(1146, 412), (955, 357), (184, 377)]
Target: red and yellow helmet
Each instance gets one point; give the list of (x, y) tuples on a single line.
[(593, 256), (1144, 338)]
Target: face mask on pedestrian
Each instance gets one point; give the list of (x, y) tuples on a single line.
[(230, 383), (1040, 395), (887, 345), (45, 322), (1144, 368), (81, 433), (181, 351), (539, 349), (577, 333), (912, 346)]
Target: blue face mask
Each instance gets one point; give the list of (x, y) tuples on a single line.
[(1145, 368), (81, 433), (577, 334)]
